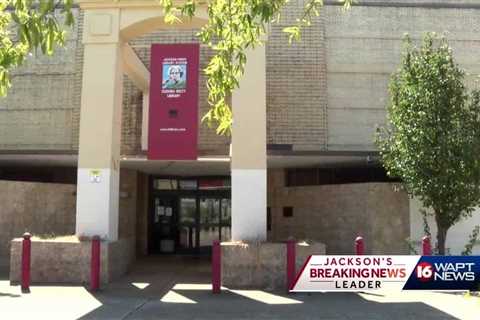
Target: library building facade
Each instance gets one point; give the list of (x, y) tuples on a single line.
[(105, 138)]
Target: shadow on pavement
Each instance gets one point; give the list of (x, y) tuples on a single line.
[(178, 288), (4, 271)]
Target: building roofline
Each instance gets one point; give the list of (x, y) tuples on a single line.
[(447, 4), (333, 153), (14, 152)]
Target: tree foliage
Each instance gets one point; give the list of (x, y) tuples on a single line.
[(25, 26), (472, 241), (432, 137), (233, 27)]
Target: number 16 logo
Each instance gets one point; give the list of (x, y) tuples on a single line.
[(424, 271)]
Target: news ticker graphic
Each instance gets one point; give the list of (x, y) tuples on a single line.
[(367, 273)]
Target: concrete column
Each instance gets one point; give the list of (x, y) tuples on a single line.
[(100, 126), (145, 112), (249, 154)]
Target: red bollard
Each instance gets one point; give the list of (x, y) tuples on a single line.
[(291, 255), (216, 267), (426, 246), (26, 258), (95, 264), (359, 246)]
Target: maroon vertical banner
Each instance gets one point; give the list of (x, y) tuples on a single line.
[(173, 110)]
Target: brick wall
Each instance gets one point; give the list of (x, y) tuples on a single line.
[(327, 92), (336, 214), (363, 49), (40, 110), (127, 218), (296, 84), (77, 94), (131, 118)]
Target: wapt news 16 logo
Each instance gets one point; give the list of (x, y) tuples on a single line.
[(445, 273), (368, 273)]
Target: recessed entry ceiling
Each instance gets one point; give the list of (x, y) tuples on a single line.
[(208, 166), (221, 165), (306, 161), (38, 160), (203, 166)]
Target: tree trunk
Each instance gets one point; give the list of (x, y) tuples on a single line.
[(441, 238)]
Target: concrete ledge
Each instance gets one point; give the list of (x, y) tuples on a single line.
[(67, 260), (261, 265)]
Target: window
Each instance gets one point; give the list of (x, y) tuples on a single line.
[(324, 176), (269, 219), (188, 184), (287, 212), (165, 184)]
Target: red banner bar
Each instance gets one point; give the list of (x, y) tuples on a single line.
[(26, 258), (216, 267), (173, 110), (359, 246), (291, 257), (95, 264)]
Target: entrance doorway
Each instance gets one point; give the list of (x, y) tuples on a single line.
[(187, 215)]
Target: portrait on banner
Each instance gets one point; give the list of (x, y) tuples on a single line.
[(174, 74)]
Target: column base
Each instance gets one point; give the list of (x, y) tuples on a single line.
[(97, 203), (249, 204), (68, 261)]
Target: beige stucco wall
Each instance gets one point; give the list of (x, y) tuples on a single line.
[(457, 236), (336, 214), (261, 265), (48, 209), (39, 208), (68, 261)]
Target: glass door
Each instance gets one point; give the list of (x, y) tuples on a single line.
[(209, 222), (188, 225), (163, 224), (214, 222), (225, 219)]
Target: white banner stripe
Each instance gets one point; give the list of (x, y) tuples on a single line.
[(354, 273)]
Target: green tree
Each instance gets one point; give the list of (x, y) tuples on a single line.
[(25, 26), (432, 137), (233, 27)]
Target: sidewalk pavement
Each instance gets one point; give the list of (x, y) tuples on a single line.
[(177, 290)]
